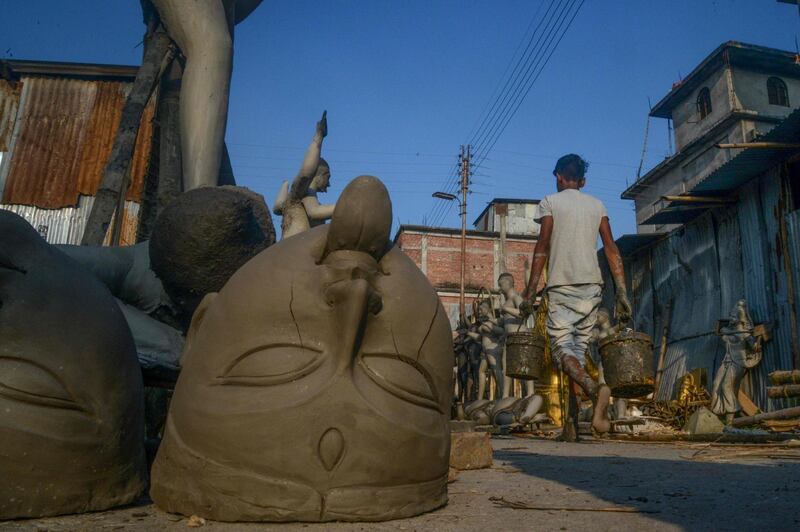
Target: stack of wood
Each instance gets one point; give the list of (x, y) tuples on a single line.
[(785, 384)]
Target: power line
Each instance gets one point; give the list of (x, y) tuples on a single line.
[(535, 78), (514, 75), (517, 82), (442, 208)]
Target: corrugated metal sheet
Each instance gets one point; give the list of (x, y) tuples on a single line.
[(685, 355), (64, 133), (9, 100), (65, 226), (778, 352), (793, 238), (723, 256), (729, 251)]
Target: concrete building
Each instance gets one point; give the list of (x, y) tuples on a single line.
[(512, 215), (437, 252), (735, 95), (58, 122), (736, 232)]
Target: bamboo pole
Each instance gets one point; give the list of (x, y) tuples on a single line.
[(780, 392), (786, 413), (662, 351), (785, 377)]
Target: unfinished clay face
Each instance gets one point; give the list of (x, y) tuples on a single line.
[(71, 425), (322, 179), (506, 283), (316, 384)]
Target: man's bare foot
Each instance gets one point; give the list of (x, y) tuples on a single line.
[(600, 421)]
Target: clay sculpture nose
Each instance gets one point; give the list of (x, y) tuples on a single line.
[(357, 239), (350, 300)]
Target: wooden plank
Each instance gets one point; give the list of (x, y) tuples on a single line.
[(158, 53), (748, 406), (786, 413)]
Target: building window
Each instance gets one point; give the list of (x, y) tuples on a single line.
[(777, 92), (704, 102)]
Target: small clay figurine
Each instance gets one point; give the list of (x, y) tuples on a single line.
[(743, 351), (490, 334), (298, 204)]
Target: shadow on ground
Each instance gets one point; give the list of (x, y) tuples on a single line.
[(690, 494)]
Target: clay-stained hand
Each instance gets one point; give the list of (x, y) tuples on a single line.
[(322, 126), (623, 309), (526, 308)]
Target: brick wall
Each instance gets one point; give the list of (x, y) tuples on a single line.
[(438, 255)]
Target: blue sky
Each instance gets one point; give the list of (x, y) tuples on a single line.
[(405, 81)]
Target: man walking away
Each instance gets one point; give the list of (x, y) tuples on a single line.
[(570, 221)]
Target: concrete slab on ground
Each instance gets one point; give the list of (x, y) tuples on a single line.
[(687, 486)]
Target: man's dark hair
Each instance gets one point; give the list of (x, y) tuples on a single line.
[(572, 167)]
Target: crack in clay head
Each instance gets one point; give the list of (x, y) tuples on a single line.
[(325, 414), (71, 422)]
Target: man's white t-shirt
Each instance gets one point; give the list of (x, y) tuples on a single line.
[(573, 244)]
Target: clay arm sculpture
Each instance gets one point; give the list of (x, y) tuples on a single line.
[(317, 211), (475, 336), (299, 188), (280, 201), (491, 327)]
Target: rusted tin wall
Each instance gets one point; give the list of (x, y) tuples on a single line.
[(62, 139), (65, 226), (9, 100)]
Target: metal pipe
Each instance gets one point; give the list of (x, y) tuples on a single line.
[(699, 199), (760, 145)]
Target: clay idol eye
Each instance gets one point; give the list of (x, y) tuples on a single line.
[(28, 382), (402, 377), (273, 364)]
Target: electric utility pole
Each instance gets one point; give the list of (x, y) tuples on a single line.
[(464, 162)]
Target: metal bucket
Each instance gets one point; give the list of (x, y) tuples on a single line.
[(525, 356), (628, 363)]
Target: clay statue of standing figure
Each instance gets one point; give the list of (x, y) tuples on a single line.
[(491, 336), (298, 204), (468, 360), (743, 351), (204, 32)]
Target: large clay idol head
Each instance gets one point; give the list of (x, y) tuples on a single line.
[(316, 384), (71, 425)]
